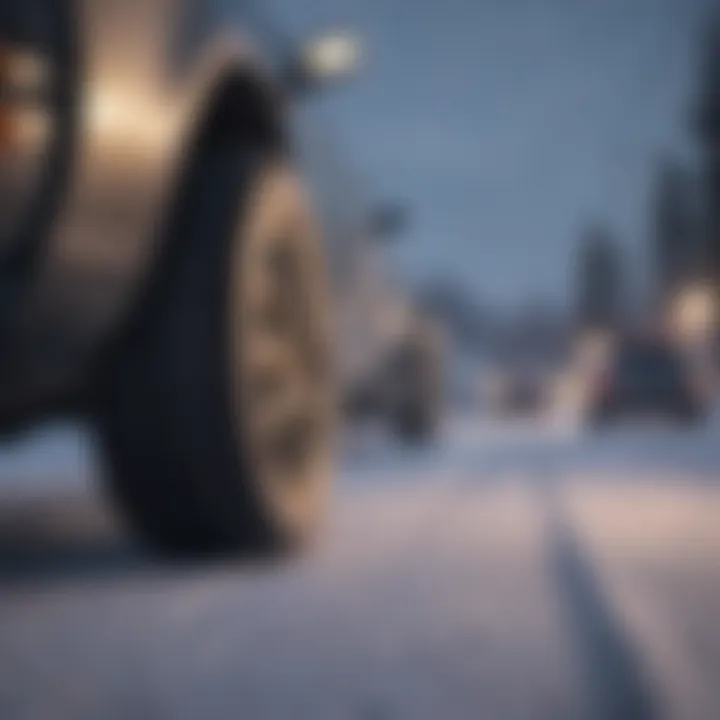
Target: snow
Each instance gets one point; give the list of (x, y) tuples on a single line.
[(451, 581)]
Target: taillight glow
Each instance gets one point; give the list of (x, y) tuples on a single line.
[(6, 119), (24, 102)]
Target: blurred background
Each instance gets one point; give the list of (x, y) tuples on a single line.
[(535, 192)]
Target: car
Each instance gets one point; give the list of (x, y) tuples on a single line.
[(401, 382), (173, 249), (393, 349), (646, 376), (517, 392)]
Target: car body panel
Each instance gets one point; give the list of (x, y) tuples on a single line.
[(142, 92)]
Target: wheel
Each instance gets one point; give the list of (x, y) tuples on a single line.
[(602, 416), (361, 403), (691, 412), (415, 383), (217, 417)]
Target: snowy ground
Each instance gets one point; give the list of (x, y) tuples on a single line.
[(511, 571)]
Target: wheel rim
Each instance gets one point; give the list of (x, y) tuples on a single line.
[(283, 355)]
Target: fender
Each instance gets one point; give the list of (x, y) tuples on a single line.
[(140, 104)]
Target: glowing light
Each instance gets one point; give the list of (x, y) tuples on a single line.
[(121, 120), (332, 55), (24, 114), (694, 311)]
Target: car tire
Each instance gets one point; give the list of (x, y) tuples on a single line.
[(602, 416), (691, 413), (416, 389), (217, 418)]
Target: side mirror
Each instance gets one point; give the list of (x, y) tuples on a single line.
[(325, 59), (387, 222)]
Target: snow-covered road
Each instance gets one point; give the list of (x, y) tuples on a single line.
[(511, 571)]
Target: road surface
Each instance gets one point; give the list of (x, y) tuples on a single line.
[(511, 571)]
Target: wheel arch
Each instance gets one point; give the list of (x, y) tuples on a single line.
[(237, 101)]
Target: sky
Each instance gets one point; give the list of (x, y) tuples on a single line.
[(509, 125)]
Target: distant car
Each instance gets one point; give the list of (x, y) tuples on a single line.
[(401, 379), (391, 348), (643, 377), (518, 393)]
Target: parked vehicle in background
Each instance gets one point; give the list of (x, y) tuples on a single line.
[(645, 376), (519, 390), (394, 352), (173, 247)]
